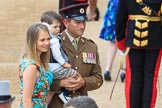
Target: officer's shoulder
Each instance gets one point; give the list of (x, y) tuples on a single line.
[(59, 34), (88, 40)]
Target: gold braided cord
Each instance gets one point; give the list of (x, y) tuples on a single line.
[(146, 9)]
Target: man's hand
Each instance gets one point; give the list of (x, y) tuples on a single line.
[(72, 83)]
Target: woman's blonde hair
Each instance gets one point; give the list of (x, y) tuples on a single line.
[(30, 46)]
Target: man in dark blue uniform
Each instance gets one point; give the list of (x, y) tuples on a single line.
[(138, 27)]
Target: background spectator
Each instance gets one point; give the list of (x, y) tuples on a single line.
[(81, 102), (5, 97)]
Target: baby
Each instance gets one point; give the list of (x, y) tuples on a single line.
[(58, 60)]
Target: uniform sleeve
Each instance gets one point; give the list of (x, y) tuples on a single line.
[(95, 80), (55, 87), (121, 24), (56, 53)]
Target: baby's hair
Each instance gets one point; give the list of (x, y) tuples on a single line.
[(50, 16)]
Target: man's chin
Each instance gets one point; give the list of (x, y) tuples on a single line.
[(80, 34)]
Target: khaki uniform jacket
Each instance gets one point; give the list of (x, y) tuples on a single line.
[(86, 61)]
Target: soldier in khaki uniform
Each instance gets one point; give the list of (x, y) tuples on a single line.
[(83, 55)]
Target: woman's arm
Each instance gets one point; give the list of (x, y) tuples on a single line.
[(29, 78)]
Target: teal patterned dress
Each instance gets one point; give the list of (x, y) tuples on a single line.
[(42, 85), (108, 26)]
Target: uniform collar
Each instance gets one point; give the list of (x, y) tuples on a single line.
[(70, 37)]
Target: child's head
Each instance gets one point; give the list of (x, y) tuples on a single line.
[(53, 19)]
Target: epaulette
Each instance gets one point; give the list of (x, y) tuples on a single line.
[(88, 40), (59, 34), (91, 41)]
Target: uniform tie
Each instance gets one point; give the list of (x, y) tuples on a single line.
[(75, 43)]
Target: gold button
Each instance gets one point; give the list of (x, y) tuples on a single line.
[(98, 84), (76, 67), (76, 56)]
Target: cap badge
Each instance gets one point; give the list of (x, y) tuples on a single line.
[(81, 10)]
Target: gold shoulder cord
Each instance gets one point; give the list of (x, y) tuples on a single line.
[(147, 10)]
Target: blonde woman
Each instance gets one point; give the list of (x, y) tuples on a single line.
[(34, 75)]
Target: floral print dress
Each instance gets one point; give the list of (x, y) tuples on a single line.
[(42, 85), (108, 26)]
